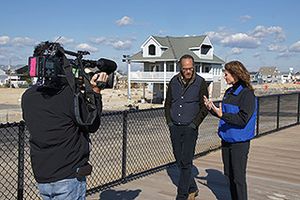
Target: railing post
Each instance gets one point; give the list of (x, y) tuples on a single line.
[(298, 113), (124, 145), (21, 141), (278, 111), (257, 116)]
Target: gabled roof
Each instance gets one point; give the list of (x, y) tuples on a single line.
[(177, 46), (268, 71), (2, 72)]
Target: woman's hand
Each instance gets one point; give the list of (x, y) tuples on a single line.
[(211, 106), (217, 110), (99, 77)]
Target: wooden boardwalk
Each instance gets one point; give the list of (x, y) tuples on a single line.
[(273, 174)]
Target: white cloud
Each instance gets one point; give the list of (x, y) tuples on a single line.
[(276, 48), (240, 40), (122, 45), (4, 40), (245, 18), (99, 40), (124, 21), (23, 41), (63, 40), (236, 51), (285, 54), (116, 43), (295, 47), (217, 36), (263, 32), (86, 47), (257, 55)]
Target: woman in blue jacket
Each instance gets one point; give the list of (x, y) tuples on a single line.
[(237, 114)]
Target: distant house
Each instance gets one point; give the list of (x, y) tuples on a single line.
[(296, 77), (254, 77), (269, 75), (286, 77), (160, 56), (3, 77), (17, 77)]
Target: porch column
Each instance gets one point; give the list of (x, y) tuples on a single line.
[(128, 79), (165, 80), (144, 93), (175, 65)]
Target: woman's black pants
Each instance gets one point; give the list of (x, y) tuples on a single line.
[(235, 156)]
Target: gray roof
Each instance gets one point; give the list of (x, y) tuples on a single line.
[(177, 46), (268, 71)]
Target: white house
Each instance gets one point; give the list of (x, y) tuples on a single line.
[(269, 75), (160, 55), (3, 77)]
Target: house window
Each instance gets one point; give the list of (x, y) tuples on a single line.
[(151, 49), (197, 66), (206, 68), (205, 48), (170, 67)]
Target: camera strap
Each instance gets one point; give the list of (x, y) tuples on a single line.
[(89, 100)]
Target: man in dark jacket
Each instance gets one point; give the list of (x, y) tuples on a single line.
[(184, 111), (59, 146)]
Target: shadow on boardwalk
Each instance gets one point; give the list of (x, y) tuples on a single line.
[(214, 180), (119, 195), (217, 182)]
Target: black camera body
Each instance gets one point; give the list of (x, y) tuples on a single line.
[(48, 60), (45, 66)]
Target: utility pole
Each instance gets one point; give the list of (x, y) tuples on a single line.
[(126, 58)]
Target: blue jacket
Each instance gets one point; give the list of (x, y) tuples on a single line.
[(239, 108)]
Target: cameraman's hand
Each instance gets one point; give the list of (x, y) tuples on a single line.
[(102, 76)]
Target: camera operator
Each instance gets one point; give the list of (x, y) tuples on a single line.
[(59, 146)]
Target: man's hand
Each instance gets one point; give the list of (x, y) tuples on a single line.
[(208, 103), (102, 76)]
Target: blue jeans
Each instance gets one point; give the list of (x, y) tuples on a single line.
[(66, 189)]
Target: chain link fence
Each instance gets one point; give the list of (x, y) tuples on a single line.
[(129, 144)]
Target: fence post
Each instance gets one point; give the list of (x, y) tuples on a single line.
[(124, 145), (257, 116), (298, 113), (278, 110), (21, 141)]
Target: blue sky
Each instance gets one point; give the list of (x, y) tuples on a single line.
[(258, 33)]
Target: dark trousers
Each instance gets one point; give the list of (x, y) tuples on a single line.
[(183, 142), (235, 156)]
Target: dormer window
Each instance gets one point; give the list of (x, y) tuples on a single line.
[(205, 48), (151, 50)]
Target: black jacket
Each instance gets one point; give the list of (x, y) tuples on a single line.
[(58, 145)]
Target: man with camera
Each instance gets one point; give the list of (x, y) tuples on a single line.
[(59, 145)]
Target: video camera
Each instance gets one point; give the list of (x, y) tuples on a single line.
[(48, 61), (51, 67)]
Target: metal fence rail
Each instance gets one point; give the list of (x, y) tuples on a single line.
[(129, 144)]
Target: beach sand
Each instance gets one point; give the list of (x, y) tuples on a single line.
[(10, 99)]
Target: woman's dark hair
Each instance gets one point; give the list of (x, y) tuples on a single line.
[(239, 71)]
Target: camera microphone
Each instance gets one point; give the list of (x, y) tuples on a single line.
[(105, 65)]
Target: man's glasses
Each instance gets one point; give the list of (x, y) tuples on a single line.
[(187, 69)]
